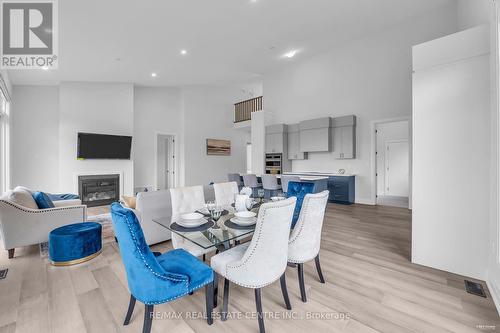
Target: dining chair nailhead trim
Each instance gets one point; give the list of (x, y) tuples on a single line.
[(253, 250), (186, 280)]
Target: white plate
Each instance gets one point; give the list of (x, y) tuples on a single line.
[(191, 223), (244, 223), (277, 198), (245, 216)]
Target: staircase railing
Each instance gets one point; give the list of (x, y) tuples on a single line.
[(243, 110)]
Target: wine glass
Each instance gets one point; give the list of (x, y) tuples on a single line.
[(210, 206), (215, 214), (261, 193)]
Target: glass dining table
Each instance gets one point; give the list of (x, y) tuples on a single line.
[(220, 235)]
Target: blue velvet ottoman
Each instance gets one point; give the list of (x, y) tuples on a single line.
[(75, 243)]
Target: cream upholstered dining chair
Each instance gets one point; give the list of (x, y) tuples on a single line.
[(263, 260), (187, 200), (305, 239), (224, 193)]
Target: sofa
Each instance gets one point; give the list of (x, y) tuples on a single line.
[(151, 205), (22, 223)]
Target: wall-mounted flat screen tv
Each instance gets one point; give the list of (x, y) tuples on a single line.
[(103, 146)]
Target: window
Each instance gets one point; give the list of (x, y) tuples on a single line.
[(4, 138)]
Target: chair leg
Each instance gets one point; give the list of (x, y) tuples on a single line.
[(148, 318), (216, 289), (225, 303), (11, 253), (301, 282), (260, 315), (204, 257), (284, 291), (130, 310), (209, 300), (318, 268)]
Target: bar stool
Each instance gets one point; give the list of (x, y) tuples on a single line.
[(235, 177), (286, 179), (270, 185), (250, 180)]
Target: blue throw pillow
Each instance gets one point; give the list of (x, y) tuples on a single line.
[(58, 197), (42, 200)]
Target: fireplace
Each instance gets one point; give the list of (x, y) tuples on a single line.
[(99, 190)]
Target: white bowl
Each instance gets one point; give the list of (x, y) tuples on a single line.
[(191, 223), (277, 198), (245, 215), (191, 220), (244, 223), (191, 216)]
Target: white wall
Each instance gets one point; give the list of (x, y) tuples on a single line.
[(392, 131), (156, 110), (208, 114), (472, 13), (106, 108), (35, 137), (370, 78), (451, 153)]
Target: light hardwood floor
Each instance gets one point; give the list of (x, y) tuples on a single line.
[(364, 256)]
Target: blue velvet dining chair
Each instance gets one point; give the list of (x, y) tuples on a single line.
[(298, 190), (157, 279)]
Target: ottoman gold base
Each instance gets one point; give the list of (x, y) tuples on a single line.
[(76, 261)]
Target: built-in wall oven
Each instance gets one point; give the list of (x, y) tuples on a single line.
[(274, 164)]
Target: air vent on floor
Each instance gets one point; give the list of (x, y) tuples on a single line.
[(3, 273), (474, 288)]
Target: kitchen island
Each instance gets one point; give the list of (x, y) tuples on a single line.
[(342, 187)]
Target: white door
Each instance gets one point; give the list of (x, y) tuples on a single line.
[(396, 168), (165, 167), (170, 162)]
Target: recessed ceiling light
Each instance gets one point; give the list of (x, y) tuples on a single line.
[(154, 75), (290, 54), (184, 52)]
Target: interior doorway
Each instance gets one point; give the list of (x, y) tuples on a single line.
[(165, 161), (392, 158)]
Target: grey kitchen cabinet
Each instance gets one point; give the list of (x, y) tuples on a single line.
[(294, 152), (344, 137), (276, 139), (315, 135)]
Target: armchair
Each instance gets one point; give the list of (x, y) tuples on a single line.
[(21, 226)]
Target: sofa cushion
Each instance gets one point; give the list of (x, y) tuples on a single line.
[(42, 200), (65, 196), (23, 188), (21, 197)]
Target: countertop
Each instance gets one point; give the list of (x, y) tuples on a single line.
[(313, 173), (308, 177)]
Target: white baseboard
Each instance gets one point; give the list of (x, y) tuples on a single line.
[(364, 201), (495, 294)]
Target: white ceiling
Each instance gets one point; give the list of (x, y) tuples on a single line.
[(229, 41)]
